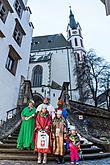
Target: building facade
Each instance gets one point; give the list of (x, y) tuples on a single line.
[(53, 61), (107, 6), (15, 41)]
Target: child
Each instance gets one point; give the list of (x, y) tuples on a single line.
[(59, 133), (43, 141), (74, 145)]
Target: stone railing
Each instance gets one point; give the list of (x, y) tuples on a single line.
[(91, 122), (94, 127), (13, 118)]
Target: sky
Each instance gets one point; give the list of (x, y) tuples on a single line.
[(52, 17)]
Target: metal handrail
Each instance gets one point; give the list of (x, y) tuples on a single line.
[(11, 111)]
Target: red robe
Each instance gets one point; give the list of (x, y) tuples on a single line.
[(43, 123)]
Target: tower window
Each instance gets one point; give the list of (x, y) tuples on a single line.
[(69, 33), (37, 76), (76, 42), (78, 56), (81, 43)]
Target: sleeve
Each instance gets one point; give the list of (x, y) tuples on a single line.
[(23, 113), (78, 141), (49, 124), (38, 108), (37, 124)]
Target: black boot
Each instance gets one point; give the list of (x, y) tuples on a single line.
[(62, 159), (58, 160)]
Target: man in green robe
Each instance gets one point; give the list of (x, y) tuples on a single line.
[(24, 140)]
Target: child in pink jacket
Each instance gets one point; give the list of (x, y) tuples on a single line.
[(74, 145)]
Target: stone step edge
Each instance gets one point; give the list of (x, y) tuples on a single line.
[(13, 150), (52, 158)]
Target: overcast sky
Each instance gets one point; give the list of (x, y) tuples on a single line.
[(52, 17)]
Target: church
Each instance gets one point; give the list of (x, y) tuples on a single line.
[(53, 60), (41, 70)]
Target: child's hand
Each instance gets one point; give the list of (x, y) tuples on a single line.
[(79, 146), (26, 118)]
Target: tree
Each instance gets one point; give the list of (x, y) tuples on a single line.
[(105, 86), (91, 75)]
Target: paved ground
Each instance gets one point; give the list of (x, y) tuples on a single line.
[(95, 162)]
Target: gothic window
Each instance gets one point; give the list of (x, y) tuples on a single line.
[(76, 42), (78, 56), (69, 33), (37, 76), (18, 33), (81, 42), (18, 7), (3, 11)]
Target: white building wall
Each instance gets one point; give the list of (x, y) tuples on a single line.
[(74, 93), (59, 66), (9, 84), (59, 72)]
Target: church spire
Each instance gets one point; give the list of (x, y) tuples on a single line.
[(72, 21)]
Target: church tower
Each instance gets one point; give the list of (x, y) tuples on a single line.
[(74, 36)]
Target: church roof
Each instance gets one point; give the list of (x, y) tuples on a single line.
[(72, 21), (46, 42)]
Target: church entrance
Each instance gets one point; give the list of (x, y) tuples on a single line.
[(38, 99)]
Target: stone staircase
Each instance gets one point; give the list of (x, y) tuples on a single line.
[(8, 151)]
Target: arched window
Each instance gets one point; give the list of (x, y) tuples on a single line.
[(76, 42), (81, 42), (37, 76), (69, 33), (78, 56)]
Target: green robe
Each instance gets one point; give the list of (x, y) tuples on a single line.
[(26, 131)]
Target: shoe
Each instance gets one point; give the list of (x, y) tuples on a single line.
[(72, 162), (77, 162), (39, 160), (44, 161), (58, 161), (63, 161)]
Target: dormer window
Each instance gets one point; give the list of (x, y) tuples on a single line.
[(37, 42), (49, 41)]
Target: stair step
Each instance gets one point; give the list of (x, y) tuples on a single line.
[(52, 157), (12, 138), (15, 150), (7, 145), (86, 145), (16, 132), (9, 141)]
